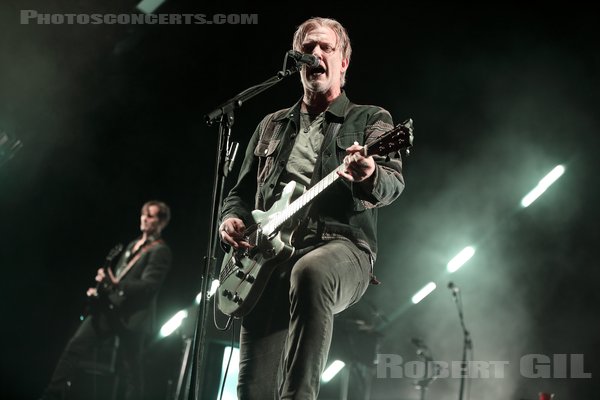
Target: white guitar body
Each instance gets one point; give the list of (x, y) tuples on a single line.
[(244, 274)]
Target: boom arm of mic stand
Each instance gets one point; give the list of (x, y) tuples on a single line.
[(236, 102), (224, 114)]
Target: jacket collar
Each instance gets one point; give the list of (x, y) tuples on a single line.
[(335, 112)]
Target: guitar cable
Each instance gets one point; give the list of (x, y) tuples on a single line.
[(216, 323)]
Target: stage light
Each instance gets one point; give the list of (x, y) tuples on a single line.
[(231, 367), (543, 185), (460, 259), (8, 147), (332, 370), (171, 325), (421, 294), (149, 6), (213, 288)]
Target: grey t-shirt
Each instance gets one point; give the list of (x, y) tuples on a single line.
[(303, 156)]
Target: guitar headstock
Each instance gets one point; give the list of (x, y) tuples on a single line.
[(399, 138), (114, 252)]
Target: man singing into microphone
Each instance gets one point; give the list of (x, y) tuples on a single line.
[(129, 306), (285, 339)]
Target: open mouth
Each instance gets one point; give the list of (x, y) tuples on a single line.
[(317, 71)]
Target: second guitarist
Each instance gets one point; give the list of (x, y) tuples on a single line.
[(128, 307)]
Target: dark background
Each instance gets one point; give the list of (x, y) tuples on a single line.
[(112, 115)]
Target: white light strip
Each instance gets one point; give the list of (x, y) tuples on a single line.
[(149, 6), (460, 259), (213, 288), (543, 185), (421, 294), (174, 323), (230, 384), (332, 370)]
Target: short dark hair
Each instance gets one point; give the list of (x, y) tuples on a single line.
[(164, 212)]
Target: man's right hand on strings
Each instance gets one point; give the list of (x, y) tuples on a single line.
[(232, 232)]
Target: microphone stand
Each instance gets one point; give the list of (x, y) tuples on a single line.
[(428, 376), (225, 155), (467, 342)]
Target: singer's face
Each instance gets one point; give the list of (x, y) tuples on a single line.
[(149, 221), (322, 43)]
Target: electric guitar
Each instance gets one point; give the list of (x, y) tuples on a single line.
[(245, 272), (100, 301)]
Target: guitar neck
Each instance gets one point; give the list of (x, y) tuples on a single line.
[(304, 199), (397, 138)]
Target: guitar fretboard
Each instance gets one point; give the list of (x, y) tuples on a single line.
[(303, 200), (397, 138)]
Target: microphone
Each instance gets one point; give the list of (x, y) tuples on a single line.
[(453, 288), (422, 349), (308, 59)]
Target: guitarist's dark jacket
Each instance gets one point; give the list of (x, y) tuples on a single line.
[(133, 301), (345, 209)]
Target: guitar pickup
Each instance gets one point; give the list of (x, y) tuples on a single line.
[(233, 297), (245, 277)]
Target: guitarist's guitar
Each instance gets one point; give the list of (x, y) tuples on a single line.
[(100, 301), (245, 272)]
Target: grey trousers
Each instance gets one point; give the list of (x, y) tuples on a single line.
[(92, 331), (285, 340)]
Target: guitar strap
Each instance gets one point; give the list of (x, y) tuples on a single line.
[(135, 258)]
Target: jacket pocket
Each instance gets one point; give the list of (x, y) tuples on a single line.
[(266, 153), (347, 139), (266, 149)]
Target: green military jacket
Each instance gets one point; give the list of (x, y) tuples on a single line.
[(344, 209)]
